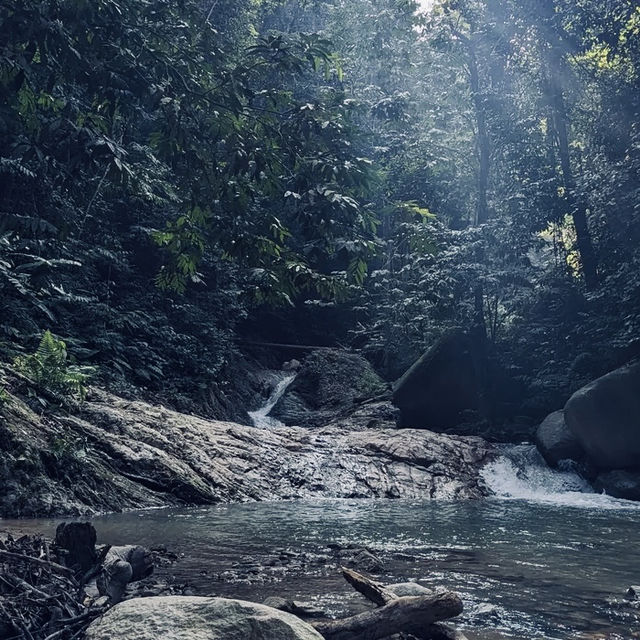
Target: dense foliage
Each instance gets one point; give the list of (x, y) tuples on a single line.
[(376, 172)]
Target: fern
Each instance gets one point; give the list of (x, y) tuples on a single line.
[(48, 368)]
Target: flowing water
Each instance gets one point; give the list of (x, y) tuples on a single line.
[(261, 417), (546, 558)]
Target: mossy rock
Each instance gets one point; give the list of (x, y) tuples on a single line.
[(328, 383)]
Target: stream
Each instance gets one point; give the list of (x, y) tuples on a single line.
[(546, 558)]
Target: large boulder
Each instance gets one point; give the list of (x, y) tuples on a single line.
[(442, 388), (197, 618), (605, 418), (555, 442), (329, 382)]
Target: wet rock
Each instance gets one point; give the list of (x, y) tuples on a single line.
[(556, 442), (402, 589), (364, 561), (378, 414), (121, 566), (179, 617), (484, 614), (619, 484), (605, 418), (329, 382), (138, 455), (633, 592), (300, 609), (356, 557), (442, 387)]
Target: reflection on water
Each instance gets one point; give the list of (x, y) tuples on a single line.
[(525, 569)]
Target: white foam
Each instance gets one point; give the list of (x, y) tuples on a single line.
[(520, 473), (261, 417)]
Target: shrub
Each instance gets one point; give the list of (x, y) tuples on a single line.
[(49, 368)]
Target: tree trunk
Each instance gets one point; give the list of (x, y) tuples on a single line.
[(577, 207), (381, 596), (410, 615), (482, 135), (370, 589)]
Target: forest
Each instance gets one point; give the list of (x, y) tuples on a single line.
[(181, 176), (320, 219)]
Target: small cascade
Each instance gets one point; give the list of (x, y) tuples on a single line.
[(260, 416), (520, 472)]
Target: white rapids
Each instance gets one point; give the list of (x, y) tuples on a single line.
[(260, 416), (520, 473)]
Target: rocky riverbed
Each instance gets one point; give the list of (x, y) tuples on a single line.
[(116, 454)]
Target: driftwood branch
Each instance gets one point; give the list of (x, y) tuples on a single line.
[(381, 595), (53, 566), (410, 614), (370, 589)]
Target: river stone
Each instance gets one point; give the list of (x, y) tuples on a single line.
[(402, 589), (619, 484), (441, 388), (122, 565), (605, 418), (300, 609), (555, 442), (197, 618), (633, 592)]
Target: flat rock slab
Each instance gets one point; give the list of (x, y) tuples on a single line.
[(196, 618), (138, 455)]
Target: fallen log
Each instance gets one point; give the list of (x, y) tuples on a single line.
[(410, 615), (381, 595), (370, 589)]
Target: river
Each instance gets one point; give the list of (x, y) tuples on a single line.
[(545, 559)]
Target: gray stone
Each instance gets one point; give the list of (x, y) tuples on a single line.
[(633, 592), (291, 365), (300, 609), (605, 418), (555, 442), (196, 618), (619, 484), (122, 565), (440, 389), (402, 589), (366, 561)]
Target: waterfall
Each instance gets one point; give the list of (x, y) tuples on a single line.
[(521, 472), (260, 416)]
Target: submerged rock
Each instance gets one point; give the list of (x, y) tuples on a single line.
[(619, 484), (633, 592), (137, 455), (605, 418), (556, 442), (197, 618)]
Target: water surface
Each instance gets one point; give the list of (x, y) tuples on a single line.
[(546, 558)]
